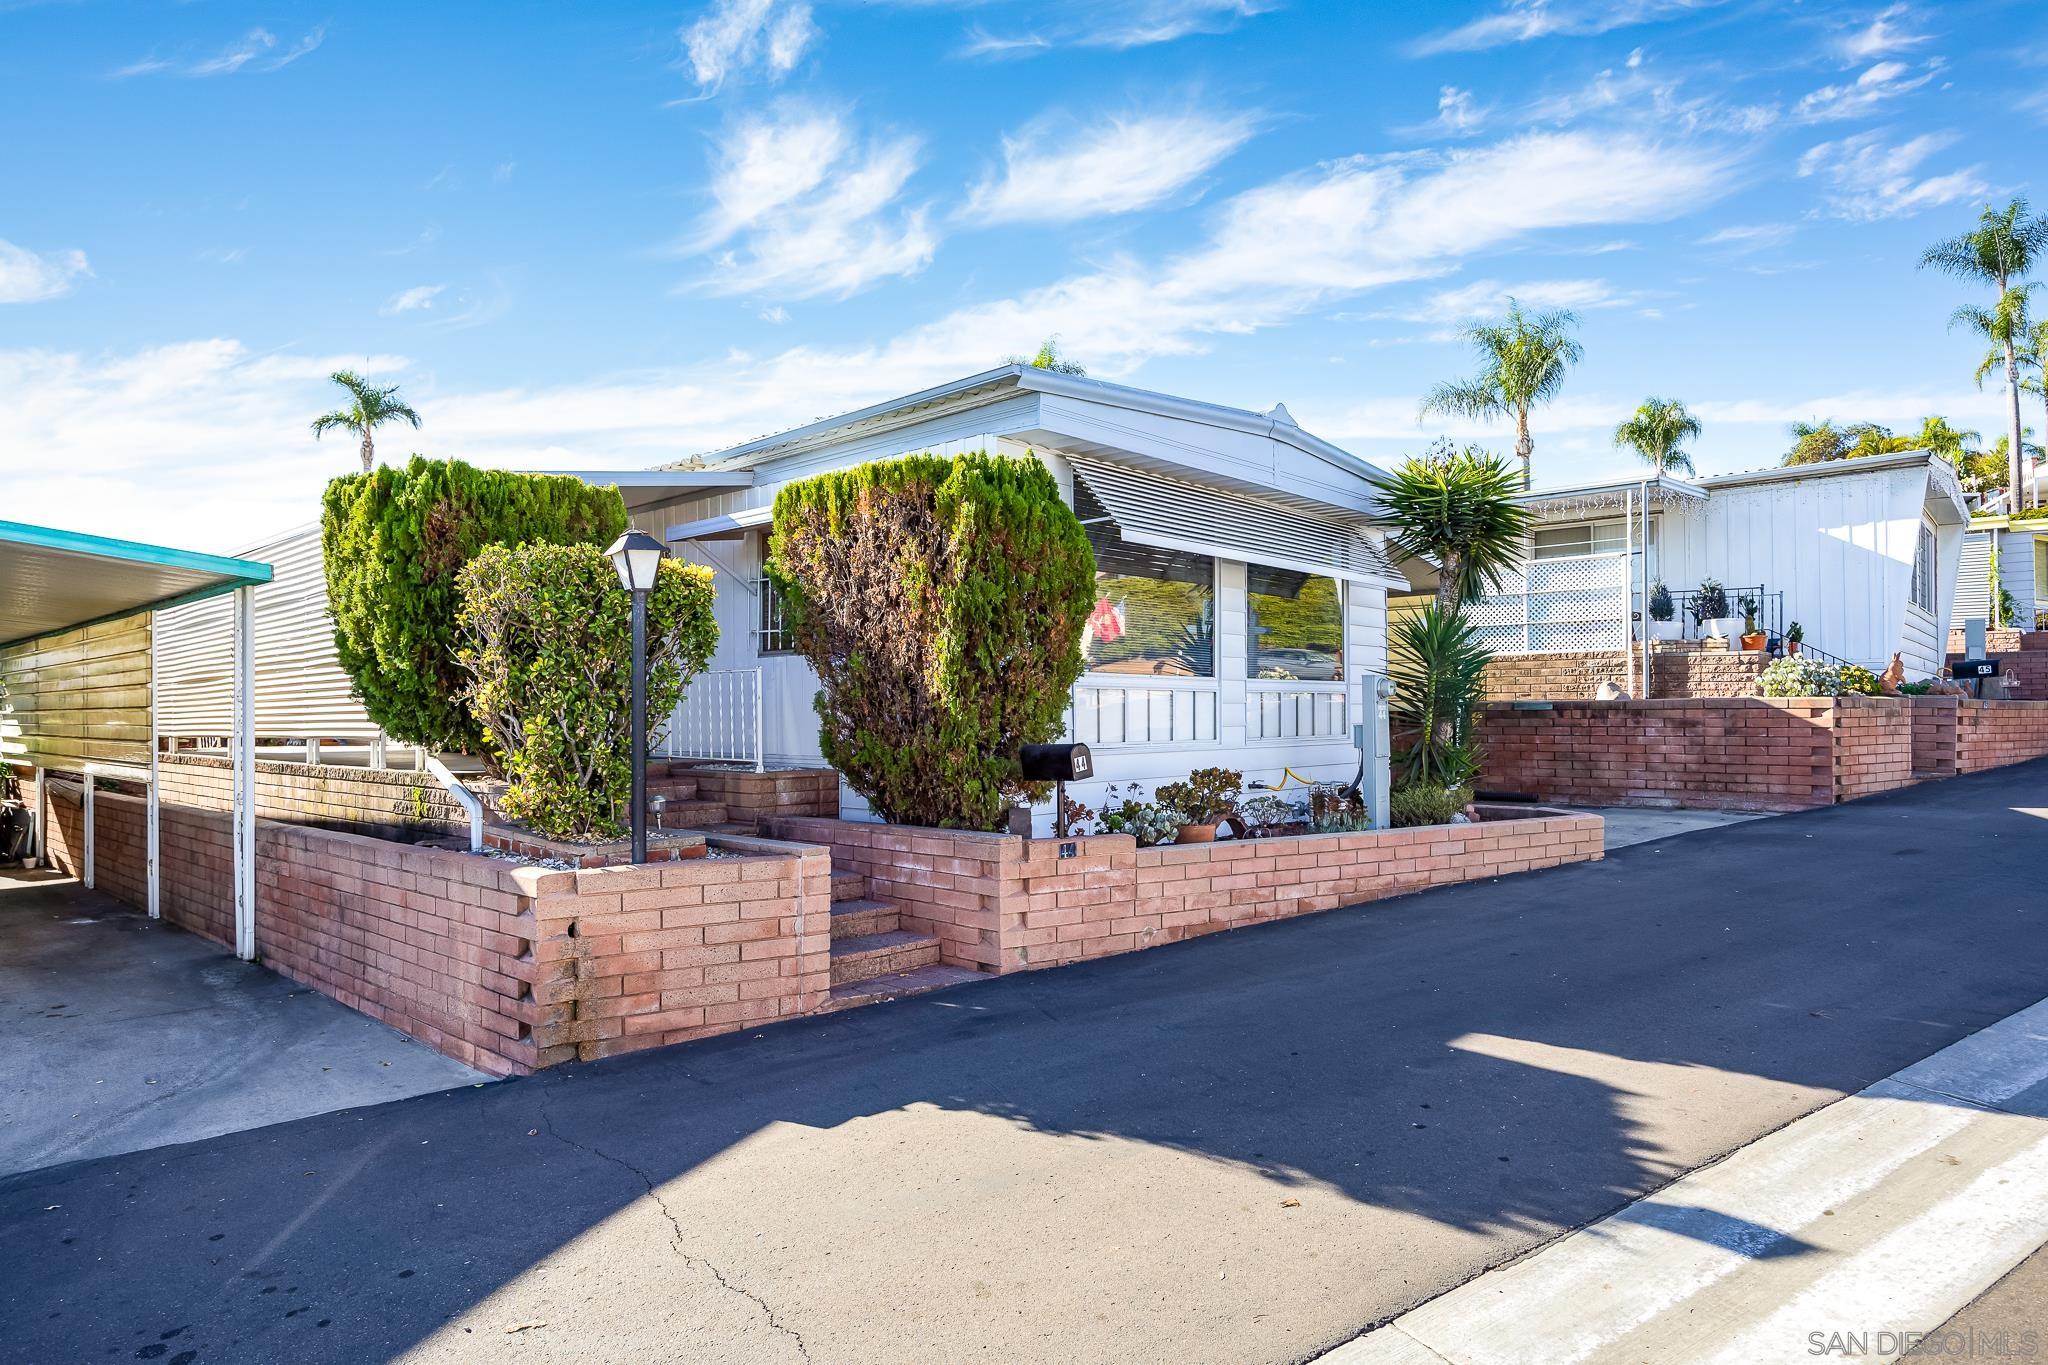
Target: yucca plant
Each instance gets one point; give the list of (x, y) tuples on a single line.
[(1456, 509), (1438, 665)]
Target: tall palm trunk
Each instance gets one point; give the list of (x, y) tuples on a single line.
[(2017, 463), (1525, 446), (369, 452)]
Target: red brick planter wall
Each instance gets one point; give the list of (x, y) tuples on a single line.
[(1934, 736), (1003, 903), (765, 796), (1991, 734), (507, 968)]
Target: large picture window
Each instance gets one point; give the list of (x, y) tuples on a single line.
[(1297, 625), (1923, 569), (1155, 610)]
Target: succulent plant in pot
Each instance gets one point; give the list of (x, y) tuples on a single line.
[(1795, 635), (1752, 636), (1205, 800), (1709, 608)]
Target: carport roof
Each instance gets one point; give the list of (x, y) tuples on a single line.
[(53, 580)]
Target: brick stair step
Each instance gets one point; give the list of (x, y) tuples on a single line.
[(674, 788), (860, 918), (898, 984), (848, 886), (690, 814), (872, 955)]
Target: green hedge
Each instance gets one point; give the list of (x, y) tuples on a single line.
[(394, 540), (941, 603), (545, 637)]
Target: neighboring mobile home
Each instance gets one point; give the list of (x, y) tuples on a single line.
[(1861, 553), (2021, 550)]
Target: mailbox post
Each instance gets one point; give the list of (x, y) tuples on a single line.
[(1058, 764)]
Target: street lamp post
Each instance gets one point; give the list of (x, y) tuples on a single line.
[(637, 556)]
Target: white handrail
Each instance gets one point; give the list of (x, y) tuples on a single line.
[(464, 797)]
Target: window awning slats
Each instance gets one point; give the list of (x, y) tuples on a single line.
[(1178, 514)]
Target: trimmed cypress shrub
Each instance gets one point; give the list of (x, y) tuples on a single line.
[(394, 540), (546, 638), (941, 603)]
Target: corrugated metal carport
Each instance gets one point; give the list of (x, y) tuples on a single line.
[(76, 650)]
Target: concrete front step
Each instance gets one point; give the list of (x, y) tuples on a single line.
[(860, 918), (875, 989), (871, 955), (848, 886)]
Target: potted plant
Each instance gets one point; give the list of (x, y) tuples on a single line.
[(1752, 638), (1205, 800), (1794, 635), (1663, 614), (1709, 609)]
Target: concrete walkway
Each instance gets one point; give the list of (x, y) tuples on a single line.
[(1628, 825), (123, 1034), (1871, 1222), (1250, 1147)]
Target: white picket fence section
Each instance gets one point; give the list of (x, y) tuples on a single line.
[(719, 718)]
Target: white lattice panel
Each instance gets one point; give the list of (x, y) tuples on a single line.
[(1553, 605)]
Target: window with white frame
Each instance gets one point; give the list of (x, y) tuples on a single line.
[(1297, 625), (771, 633), (1923, 569), (1589, 538), (1155, 610)]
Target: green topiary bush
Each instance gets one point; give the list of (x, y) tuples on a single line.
[(394, 540), (545, 637), (940, 602)]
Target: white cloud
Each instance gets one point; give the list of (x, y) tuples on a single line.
[(1872, 180), (1489, 298), (1520, 21), (1884, 34), (29, 277), (1053, 173), (256, 50), (416, 299), (1456, 113), (1749, 237), (1881, 82), (1119, 24), (734, 37), (804, 209), (101, 432)]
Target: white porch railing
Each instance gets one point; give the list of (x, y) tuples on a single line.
[(1295, 710), (1143, 712), (1579, 602), (719, 718)]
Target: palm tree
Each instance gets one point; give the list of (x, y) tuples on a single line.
[(2004, 247), (1657, 431), (2034, 355), (2006, 331), (1524, 360), (372, 408), (1456, 509), (1941, 438)]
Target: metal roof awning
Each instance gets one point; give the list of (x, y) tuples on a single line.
[(53, 580), (645, 488), (1176, 514), (724, 527)]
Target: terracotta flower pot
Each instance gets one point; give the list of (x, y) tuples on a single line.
[(1755, 641), (1196, 834), (1791, 647)]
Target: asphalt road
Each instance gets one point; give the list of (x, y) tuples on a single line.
[(1248, 1147)]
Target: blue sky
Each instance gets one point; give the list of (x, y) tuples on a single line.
[(615, 235)]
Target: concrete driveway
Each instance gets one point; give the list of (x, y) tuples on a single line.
[(1247, 1147), (124, 1034)]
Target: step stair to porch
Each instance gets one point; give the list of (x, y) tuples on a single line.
[(873, 957)]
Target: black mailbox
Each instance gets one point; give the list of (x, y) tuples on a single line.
[(1056, 763), (1974, 668)]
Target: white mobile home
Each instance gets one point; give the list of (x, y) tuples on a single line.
[(1863, 554), (2018, 550), (1241, 619)]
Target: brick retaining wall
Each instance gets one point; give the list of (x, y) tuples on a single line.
[(756, 796), (1004, 903), (1755, 753), (1677, 671), (505, 967), (332, 796), (1991, 734)]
